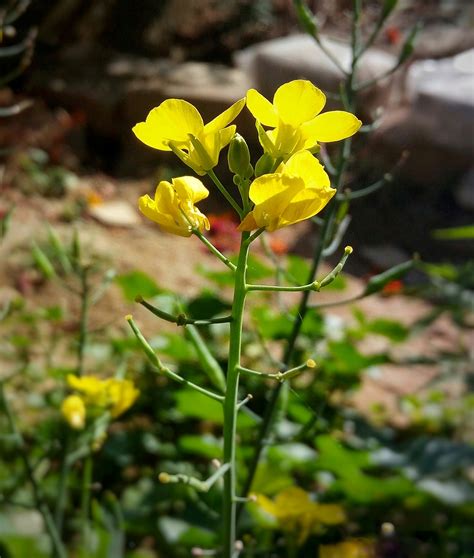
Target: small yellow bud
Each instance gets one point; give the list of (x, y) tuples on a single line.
[(164, 478), (74, 411), (348, 250), (129, 317), (310, 363)]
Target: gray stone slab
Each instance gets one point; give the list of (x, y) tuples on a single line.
[(442, 100), (271, 63)]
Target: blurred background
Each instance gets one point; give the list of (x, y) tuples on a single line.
[(398, 372)]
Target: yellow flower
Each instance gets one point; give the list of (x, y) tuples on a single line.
[(91, 387), (113, 394), (122, 394), (297, 513), (297, 190), (173, 207), (348, 549), (74, 411), (295, 119), (176, 122)]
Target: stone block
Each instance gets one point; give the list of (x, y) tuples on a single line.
[(271, 63), (442, 97)]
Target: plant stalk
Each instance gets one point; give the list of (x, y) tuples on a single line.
[(230, 402)]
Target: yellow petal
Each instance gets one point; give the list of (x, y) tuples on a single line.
[(122, 394), (224, 118), (261, 108), (164, 210), (190, 188), (271, 186), (298, 101), (249, 223), (329, 514), (330, 126), (307, 167), (173, 120), (304, 205), (274, 193)]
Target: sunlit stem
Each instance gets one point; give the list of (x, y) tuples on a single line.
[(342, 302), (245, 401), (199, 485), (214, 250), (335, 272), (314, 286), (281, 376), (230, 402), (180, 319), (161, 368), (338, 236)]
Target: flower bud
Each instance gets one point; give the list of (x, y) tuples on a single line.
[(378, 282), (238, 157), (264, 165), (409, 45)]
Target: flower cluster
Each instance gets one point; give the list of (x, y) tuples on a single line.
[(294, 185), (113, 395)]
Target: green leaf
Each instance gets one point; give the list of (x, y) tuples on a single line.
[(297, 269), (137, 283), (205, 445), (271, 324), (346, 359), (191, 404), (207, 306), (395, 331), (456, 233), (175, 346)]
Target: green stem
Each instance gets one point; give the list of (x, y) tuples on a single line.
[(58, 547), (181, 319), (224, 192), (81, 348), (230, 401), (214, 250), (159, 367), (309, 287), (62, 485), (85, 504), (83, 322)]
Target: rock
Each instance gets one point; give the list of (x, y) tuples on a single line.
[(272, 63), (115, 213), (442, 98), (383, 256), (436, 123), (440, 40)]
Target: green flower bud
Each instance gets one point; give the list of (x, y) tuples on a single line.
[(306, 18), (238, 157), (264, 165), (378, 282), (388, 7), (409, 45)]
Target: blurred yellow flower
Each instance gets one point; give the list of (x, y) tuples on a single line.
[(173, 207), (175, 123), (74, 411), (121, 394), (298, 189), (296, 120), (298, 514), (357, 548), (115, 395)]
